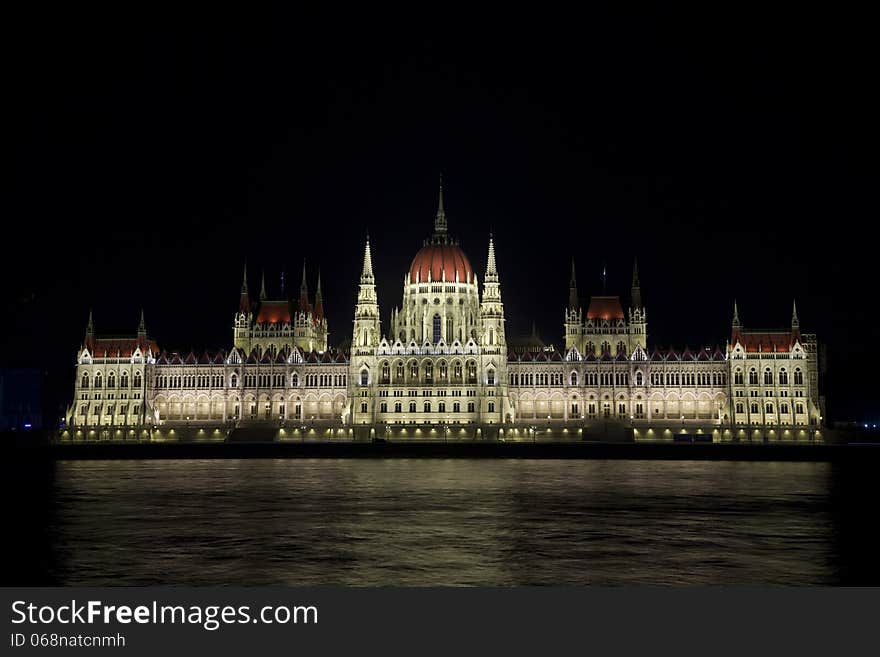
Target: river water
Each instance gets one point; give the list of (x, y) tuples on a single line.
[(439, 522)]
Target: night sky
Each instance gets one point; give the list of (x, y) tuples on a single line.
[(734, 154)]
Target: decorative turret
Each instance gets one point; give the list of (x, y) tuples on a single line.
[(795, 323), (736, 324), (573, 289)]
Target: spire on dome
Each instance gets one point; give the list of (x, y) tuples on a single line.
[(440, 219), (573, 289), (263, 294), (367, 272)]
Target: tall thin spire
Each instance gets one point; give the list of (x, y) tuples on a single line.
[(367, 272), (244, 302), (491, 269), (142, 326), (573, 289), (263, 294), (795, 322), (319, 301), (604, 278), (636, 292), (304, 291), (90, 327), (282, 282), (736, 323), (440, 219)]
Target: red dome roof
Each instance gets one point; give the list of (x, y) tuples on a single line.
[(437, 258)]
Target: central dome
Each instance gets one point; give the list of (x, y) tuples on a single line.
[(433, 260)]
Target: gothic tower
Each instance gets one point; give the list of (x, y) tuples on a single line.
[(573, 314), (637, 321), (364, 341), (242, 322)]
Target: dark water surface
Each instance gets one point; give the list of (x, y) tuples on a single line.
[(440, 522)]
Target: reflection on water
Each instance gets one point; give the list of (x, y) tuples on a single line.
[(430, 522)]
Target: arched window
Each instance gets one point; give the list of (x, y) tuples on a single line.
[(783, 377), (400, 371), (98, 380), (490, 377), (233, 381), (574, 378), (111, 380), (768, 377), (123, 381), (386, 372), (738, 377), (429, 372), (471, 372), (414, 371), (436, 328), (753, 377), (365, 377), (412, 407), (444, 371), (85, 380), (798, 377), (456, 407), (294, 380), (638, 378)]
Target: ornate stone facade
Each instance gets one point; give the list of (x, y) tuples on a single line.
[(445, 364)]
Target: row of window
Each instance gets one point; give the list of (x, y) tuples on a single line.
[(427, 406), (277, 380), (754, 408), (427, 372), (739, 378), (111, 380), (110, 409)]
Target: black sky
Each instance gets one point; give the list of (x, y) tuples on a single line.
[(734, 154)]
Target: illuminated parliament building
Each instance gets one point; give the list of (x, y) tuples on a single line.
[(444, 368)]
